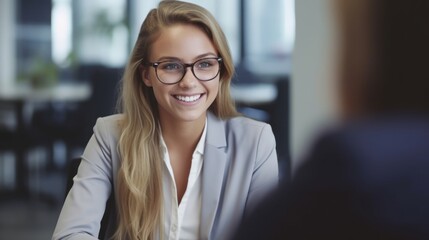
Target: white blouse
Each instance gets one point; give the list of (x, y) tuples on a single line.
[(182, 221)]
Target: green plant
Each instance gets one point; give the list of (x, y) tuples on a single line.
[(41, 73)]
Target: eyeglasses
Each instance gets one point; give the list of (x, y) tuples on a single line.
[(172, 72)]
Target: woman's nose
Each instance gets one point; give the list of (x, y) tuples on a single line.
[(188, 80)]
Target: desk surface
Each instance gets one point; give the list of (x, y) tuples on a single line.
[(60, 92)]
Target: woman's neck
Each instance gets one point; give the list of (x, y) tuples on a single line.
[(183, 135)]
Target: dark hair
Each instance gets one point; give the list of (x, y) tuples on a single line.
[(385, 51)]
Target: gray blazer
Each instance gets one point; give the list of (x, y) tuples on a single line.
[(240, 166)]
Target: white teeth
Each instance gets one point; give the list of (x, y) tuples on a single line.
[(188, 98)]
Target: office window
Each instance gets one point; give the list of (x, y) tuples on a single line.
[(33, 34), (225, 11), (61, 31), (101, 32), (269, 31)]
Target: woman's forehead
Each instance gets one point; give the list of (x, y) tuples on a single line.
[(183, 41)]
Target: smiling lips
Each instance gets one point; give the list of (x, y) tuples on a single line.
[(188, 99)]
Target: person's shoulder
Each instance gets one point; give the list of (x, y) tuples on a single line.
[(113, 117), (110, 121), (370, 143), (240, 127), (246, 123), (382, 132), (109, 124), (245, 127)]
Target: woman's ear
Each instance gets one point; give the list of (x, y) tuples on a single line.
[(145, 77)]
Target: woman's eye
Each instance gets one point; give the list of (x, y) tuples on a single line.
[(205, 64), (171, 66)]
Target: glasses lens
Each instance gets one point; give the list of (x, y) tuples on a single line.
[(170, 72), (206, 69)]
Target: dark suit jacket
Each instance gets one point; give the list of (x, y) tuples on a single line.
[(366, 180)]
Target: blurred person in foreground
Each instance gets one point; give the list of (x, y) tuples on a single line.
[(180, 161), (369, 177)]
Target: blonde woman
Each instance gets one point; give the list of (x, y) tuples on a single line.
[(181, 162)]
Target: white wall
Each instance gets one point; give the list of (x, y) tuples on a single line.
[(313, 103), (7, 42)]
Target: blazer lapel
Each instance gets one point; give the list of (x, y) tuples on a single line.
[(213, 172)]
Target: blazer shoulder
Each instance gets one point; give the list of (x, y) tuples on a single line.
[(250, 128), (247, 123), (109, 126)]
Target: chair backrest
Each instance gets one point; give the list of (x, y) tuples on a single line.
[(71, 172), (105, 85)]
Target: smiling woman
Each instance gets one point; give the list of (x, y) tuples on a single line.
[(172, 157), (183, 43)]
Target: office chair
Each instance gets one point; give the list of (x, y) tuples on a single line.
[(72, 122), (71, 172)]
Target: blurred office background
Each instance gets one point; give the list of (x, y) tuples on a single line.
[(61, 60)]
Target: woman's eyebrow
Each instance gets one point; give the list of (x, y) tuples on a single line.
[(172, 58), (209, 54), (168, 58)]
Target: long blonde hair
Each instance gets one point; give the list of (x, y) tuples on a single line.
[(139, 184)]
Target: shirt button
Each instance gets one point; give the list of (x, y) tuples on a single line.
[(174, 227)]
